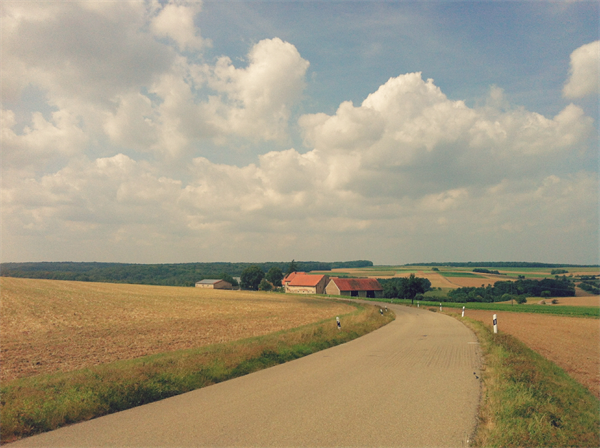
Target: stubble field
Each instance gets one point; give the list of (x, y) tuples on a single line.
[(572, 343), (50, 325)]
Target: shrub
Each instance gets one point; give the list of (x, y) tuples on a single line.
[(521, 299), (265, 285)]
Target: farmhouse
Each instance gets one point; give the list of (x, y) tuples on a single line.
[(214, 284), (354, 287), (288, 278), (301, 283)]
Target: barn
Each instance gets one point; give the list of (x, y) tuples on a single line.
[(354, 287), (214, 284), (301, 283)]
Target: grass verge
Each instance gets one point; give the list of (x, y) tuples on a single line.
[(572, 311), (46, 402), (528, 401)]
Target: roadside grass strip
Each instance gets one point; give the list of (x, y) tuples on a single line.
[(528, 401), (571, 311), (46, 402)]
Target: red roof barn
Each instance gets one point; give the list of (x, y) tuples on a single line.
[(354, 287)]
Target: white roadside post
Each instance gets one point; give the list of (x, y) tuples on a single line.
[(440, 307), (418, 304), (495, 324), (339, 325), (463, 313)]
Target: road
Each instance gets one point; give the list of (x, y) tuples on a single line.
[(408, 384)]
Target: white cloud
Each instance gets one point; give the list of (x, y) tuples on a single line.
[(409, 139), (259, 97), (41, 141), (584, 75), (130, 101), (176, 21)]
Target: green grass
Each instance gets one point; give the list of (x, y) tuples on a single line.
[(437, 293), (46, 402), (528, 401), (572, 311)]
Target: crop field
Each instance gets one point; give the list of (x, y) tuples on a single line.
[(571, 343), (584, 300), (49, 325)]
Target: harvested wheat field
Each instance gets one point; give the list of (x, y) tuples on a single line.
[(51, 325), (476, 282), (570, 342)]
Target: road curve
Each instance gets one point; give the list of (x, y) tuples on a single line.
[(408, 384)]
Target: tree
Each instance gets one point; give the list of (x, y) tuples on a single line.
[(414, 286), (275, 276), (251, 277), (521, 299), (293, 267), (265, 285)]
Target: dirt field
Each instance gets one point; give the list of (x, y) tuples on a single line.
[(460, 282), (570, 342), (50, 325)]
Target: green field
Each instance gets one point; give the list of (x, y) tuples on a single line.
[(571, 311)]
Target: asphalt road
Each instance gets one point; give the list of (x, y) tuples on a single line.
[(408, 384)]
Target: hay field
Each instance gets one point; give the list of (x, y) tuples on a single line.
[(572, 343), (50, 325)]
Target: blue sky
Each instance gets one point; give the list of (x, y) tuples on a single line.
[(251, 131)]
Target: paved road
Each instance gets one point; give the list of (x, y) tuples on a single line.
[(408, 384)]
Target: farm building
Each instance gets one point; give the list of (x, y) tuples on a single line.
[(288, 278), (354, 287), (214, 284), (299, 282)]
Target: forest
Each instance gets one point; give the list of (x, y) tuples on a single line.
[(506, 290), (178, 274)]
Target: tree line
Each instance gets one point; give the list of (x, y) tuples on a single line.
[(502, 264), (507, 290), (176, 274), (404, 287)]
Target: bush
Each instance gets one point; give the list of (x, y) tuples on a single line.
[(265, 285), (545, 294), (521, 299)]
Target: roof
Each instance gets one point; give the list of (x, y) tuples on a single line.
[(357, 284), (210, 281), (290, 276), (301, 279)]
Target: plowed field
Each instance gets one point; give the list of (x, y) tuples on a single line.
[(570, 342), (50, 325)]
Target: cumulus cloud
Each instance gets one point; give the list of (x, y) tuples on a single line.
[(260, 95), (176, 21), (408, 138), (407, 163), (41, 141), (584, 77)]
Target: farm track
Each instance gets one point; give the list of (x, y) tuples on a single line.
[(408, 384), (572, 343)]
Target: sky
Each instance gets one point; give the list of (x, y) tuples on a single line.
[(397, 132)]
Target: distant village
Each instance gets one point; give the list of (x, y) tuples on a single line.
[(303, 283)]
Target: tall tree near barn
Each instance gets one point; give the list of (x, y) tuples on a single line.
[(251, 277)]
